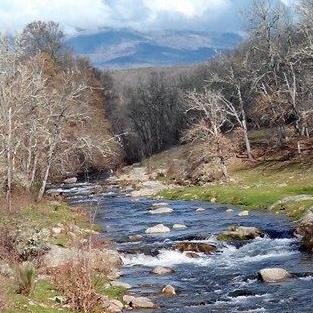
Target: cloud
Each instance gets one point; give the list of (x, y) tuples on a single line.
[(138, 14)]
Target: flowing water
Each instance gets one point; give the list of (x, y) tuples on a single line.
[(223, 282)]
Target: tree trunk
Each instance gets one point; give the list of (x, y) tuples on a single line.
[(44, 182), (9, 162)]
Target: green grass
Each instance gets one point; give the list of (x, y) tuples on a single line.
[(257, 188), (38, 302)]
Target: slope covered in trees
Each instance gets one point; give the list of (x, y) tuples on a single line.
[(52, 120), (264, 86)]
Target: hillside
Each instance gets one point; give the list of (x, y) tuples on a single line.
[(129, 49)]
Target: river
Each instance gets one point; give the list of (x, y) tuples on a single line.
[(224, 282)]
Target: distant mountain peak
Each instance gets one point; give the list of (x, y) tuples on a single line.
[(124, 48)]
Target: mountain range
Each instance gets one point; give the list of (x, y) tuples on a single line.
[(124, 48)]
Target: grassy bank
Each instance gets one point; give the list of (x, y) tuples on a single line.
[(258, 187), (67, 227)]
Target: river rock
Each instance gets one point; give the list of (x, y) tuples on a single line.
[(159, 204), (243, 213), (159, 270), (169, 291), (192, 255), (272, 275), (240, 233), (102, 261), (161, 210), (179, 226), (120, 284), (158, 229), (135, 238), (200, 210), (70, 180), (195, 247), (138, 302), (115, 306), (305, 230)]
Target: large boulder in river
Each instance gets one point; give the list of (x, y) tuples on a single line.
[(199, 247), (169, 291), (273, 275), (138, 302), (158, 229), (240, 233), (159, 270), (305, 230)]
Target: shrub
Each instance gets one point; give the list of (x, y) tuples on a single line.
[(74, 280), (25, 278)]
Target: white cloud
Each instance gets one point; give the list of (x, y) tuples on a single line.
[(139, 14)]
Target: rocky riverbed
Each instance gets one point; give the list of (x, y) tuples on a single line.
[(202, 257)]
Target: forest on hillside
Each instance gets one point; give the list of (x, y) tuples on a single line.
[(262, 88)]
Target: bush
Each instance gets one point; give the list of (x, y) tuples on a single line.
[(25, 278), (74, 280)]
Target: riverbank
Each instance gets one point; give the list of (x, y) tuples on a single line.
[(275, 186), (52, 258)]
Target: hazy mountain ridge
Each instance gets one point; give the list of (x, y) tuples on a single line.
[(126, 48)]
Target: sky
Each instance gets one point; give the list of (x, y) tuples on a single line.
[(142, 15)]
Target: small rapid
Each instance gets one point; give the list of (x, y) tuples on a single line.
[(225, 281)]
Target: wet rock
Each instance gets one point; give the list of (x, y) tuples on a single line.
[(169, 291), (121, 285), (243, 213), (161, 210), (195, 247), (160, 204), (159, 270), (115, 306), (192, 255), (305, 230), (240, 233), (158, 229), (139, 302), (71, 180), (200, 210), (179, 226), (135, 238), (272, 275), (229, 210)]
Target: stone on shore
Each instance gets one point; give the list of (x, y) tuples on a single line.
[(158, 229), (71, 180), (272, 275), (138, 302), (115, 306), (161, 210), (195, 247), (305, 230), (160, 270), (169, 291), (120, 284), (240, 233)]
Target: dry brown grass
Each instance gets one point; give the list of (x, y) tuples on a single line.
[(75, 282)]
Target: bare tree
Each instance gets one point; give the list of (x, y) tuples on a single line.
[(38, 37), (208, 114)]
